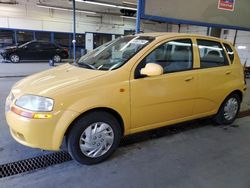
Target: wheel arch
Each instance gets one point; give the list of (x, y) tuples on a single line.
[(237, 92), (217, 118), (103, 109)]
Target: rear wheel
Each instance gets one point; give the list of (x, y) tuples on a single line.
[(14, 58), (228, 111), (94, 137), (57, 58)]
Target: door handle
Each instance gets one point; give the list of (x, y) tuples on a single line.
[(189, 78), (228, 72)]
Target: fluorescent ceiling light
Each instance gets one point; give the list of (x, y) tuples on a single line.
[(65, 9), (9, 2), (129, 3), (241, 47), (106, 4), (129, 17)]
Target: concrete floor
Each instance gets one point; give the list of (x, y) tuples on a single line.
[(204, 156)]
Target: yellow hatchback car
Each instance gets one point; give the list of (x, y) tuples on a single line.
[(132, 84)]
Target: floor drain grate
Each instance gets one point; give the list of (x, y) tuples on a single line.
[(35, 163)]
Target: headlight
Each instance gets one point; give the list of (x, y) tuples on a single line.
[(35, 103)]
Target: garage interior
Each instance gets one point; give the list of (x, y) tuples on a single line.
[(191, 154)]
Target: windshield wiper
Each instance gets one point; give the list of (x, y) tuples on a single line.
[(86, 64)]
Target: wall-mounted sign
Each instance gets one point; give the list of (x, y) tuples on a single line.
[(226, 5), (208, 13)]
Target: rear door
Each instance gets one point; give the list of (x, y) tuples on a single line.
[(48, 50), (214, 76)]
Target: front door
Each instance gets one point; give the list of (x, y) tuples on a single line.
[(32, 51), (169, 97)]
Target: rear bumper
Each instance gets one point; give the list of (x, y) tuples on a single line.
[(64, 56)]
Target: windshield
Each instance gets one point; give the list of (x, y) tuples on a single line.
[(26, 43), (114, 54)]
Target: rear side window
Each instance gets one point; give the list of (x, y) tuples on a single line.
[(33, 45), (211, 54), (230, 52), (47, 46)]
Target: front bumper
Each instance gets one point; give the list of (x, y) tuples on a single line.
[(44, 134), (3, 55)]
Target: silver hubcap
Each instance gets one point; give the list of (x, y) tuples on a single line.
[(57, 58), (230, 109), (96, 139), (14, 58)]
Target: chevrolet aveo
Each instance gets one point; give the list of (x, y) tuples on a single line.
[(132, 84)]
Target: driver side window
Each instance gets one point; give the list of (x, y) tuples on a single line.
[(173, 56)]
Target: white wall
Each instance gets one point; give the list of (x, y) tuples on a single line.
[(31, 17), (193, 29), (243, 40), (34, 18), (242, 43)]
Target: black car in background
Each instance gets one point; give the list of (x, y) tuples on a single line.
[(34, 50)]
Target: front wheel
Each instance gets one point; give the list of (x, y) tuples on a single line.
[(14, 58), (228, 111), (94, 137)]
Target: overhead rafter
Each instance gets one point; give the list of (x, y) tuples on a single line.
[(8, 2)]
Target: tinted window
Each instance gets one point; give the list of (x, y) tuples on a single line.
[(173, 56), (47, 46), (230, 52), (33, 45), (211, 54)]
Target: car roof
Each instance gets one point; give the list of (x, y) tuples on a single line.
[(170, 35)]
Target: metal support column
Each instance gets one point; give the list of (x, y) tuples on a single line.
[(34, 35), (74, 30), (15, 37), (52, 37), (208, 31), (179, 28), (235, 37), (138, 16)]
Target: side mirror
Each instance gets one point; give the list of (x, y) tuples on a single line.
[(152, 69), (25, 47)]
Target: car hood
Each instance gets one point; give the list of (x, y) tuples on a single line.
[(10, 48), (50, 82)]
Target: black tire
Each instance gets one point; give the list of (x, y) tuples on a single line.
[(78, 129), (57, 58), (14, 58), (220, 118)]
